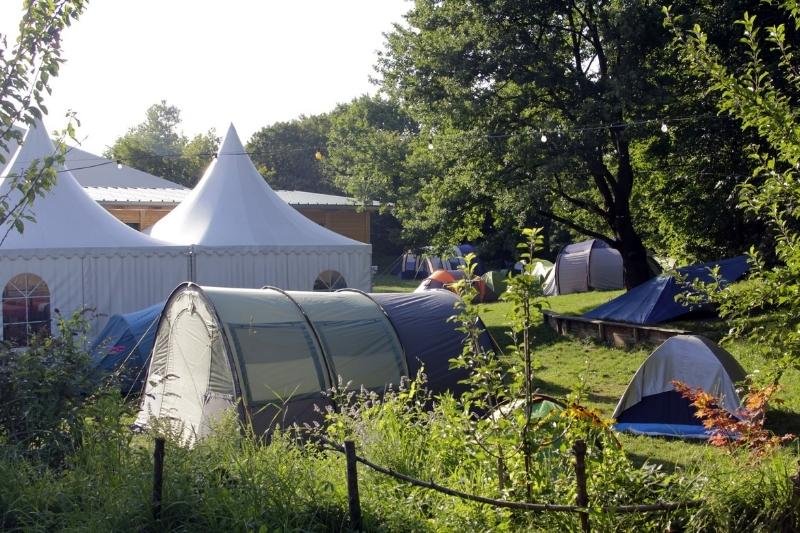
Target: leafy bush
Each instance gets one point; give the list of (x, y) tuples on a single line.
[(42, 389)]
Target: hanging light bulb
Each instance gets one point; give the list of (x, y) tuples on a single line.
[(318, 156), (544, 138), (664, 127), (430, 146)]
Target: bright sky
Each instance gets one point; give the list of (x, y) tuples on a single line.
[(250, 62)]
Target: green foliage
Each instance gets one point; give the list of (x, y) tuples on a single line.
[(534, 107), (368, 143), (763, 96), (42, 389), (156, 146), (291, 155), (26, 71)]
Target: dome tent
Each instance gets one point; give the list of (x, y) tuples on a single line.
[(653, 301), (445, 279), (581, 266), (125, 343), (652, 406), (244, 235), (80, 255), (273, 352)]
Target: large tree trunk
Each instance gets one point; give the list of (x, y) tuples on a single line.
[(634, 254), (628, 242)]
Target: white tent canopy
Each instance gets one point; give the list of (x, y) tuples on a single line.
[(232, 231), (245, 235), (74, 254), (232, 205), (65, 217)]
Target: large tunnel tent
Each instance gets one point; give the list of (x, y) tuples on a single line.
[(277, 352), (581, 266)]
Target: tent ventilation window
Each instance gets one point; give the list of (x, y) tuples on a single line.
[(330, 280), (26, 309)]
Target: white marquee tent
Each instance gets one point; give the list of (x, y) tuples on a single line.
[(232, 231), (244, 235), (74, 254)]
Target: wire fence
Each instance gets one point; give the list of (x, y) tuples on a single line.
[(348, 449)]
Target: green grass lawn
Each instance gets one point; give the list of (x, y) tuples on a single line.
[(563, 363)]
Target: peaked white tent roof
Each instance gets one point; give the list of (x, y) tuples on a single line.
[(232, 205), (65, 217)]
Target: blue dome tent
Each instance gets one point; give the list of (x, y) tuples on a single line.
[(127, 340), (654, 302), (652, 406)]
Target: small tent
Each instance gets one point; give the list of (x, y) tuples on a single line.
[(586, 265), (652, 406), (445, 279), (125, 344), (411, 265), (272, 353), (496, 282), (654, 302)]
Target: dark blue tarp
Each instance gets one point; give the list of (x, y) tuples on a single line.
[(654, 302), (428, 337), (127, 339)]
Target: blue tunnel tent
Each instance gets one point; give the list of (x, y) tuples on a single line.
[(428, 337), (654, 302), (273, 353), (652, 406), (125, 343)]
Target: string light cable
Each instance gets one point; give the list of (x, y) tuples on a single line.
[(545, 135)]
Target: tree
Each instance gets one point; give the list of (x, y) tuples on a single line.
[(368, 146), (290, 154), (764, 96), (25, 74), (548, 98), (156, 146)]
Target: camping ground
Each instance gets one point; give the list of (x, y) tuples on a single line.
[(231, 482), (563, 364)]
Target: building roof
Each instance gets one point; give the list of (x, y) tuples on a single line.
[(232, 204), (95, 171)]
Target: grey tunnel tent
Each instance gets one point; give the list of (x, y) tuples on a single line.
[(274, 352)]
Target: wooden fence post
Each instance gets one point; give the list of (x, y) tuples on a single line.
[(353, 501), (582, 497), (158, 477)]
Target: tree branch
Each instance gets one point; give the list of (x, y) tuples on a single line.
[(576, 227), (580, 203)]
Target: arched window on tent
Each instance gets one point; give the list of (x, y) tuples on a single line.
[(329, 280), (26, 309)]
